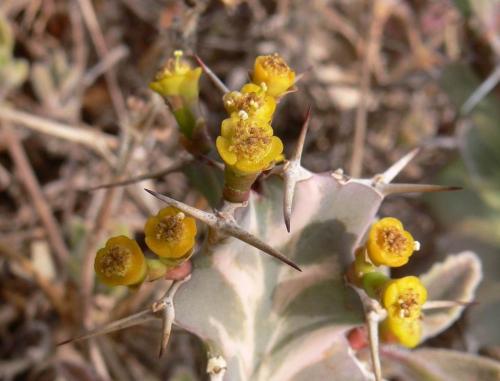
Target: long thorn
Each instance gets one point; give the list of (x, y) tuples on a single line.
[(437, 304), (390, 189), (129, 321), (169, 313), (236, 231), (482, 91), (297, 155), (397, 167), (208, 218), (289, 190), (225, 225), (293, 172), (213, 77)]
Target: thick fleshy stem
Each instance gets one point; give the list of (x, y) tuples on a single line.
[(199, 143), (237, 187), (192, 125), (156, 269), (373, 283)]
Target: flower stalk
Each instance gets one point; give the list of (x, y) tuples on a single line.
[(178, 84)]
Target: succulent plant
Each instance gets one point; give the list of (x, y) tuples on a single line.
[(262, 319)]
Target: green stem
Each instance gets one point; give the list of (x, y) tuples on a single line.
[(156, 269), (192, 125), (373, 283), (237, 187)]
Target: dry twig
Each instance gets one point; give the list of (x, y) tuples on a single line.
[(27, 176)]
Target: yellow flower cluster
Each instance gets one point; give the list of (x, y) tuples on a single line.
[(390, 245), (170, 235), (246, 142)]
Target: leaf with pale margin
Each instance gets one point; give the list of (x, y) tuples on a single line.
[(437, 365), (269, 321), (454, 279)]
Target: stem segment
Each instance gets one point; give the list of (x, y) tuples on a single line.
[(237, 187)]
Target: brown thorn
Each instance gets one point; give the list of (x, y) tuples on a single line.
[(168, 315), (302, 137), (208, 218), (438, 304), (213, 77), (390, 189), (127, 322), (225, 225), (236, 231), (397, 167), (292, 171)]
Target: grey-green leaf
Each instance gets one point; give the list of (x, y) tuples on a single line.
[(269, 321), (438, 365), (455, 279)]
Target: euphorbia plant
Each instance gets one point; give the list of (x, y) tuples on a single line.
[(262, 319)]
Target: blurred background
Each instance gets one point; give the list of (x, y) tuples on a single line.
[(76, 112)]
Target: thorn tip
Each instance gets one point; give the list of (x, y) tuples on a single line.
[(287, 222)]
